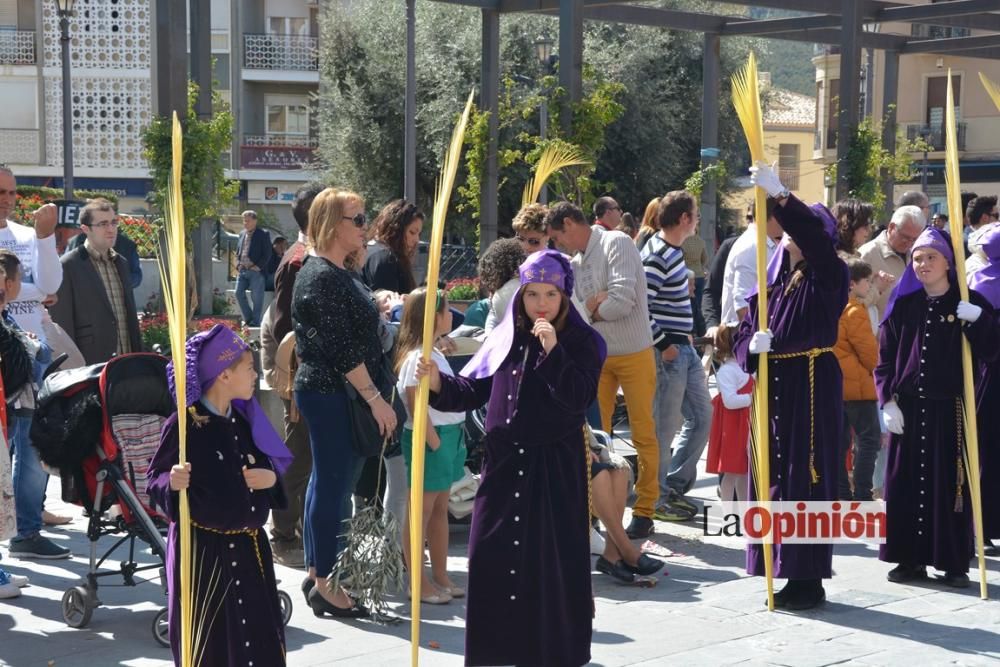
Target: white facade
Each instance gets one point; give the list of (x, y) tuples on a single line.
[(266, 67)]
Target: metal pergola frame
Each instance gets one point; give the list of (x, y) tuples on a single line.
[(840, 22)]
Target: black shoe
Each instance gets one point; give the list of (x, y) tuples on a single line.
[(955, 579), (641, 526), (990, 549), (320, 607), (645, 566), (904, 572), (617, 570), (307, 585), (807, 595), (781, 597)]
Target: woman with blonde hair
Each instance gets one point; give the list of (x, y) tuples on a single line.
[(649, 227), (337, 340)]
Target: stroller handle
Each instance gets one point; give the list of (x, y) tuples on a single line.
[(54, 366)]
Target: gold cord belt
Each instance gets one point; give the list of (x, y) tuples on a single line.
[(251, 532), (811, 355)]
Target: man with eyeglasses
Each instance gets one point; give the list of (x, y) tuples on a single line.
[(252, 253), (886, 253), (607, 213), (95, 305)]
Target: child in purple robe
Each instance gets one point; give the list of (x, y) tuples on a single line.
[(529, 593), (807, 287), (920, 386), (234, 457), (986, 281)]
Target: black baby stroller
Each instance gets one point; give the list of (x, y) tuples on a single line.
[(100, 426)]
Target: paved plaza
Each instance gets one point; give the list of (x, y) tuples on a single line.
[(704, 612)]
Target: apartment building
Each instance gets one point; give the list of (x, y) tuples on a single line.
[(921, 94), (266, 67)]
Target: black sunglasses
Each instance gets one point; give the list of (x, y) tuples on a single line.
[(531, 242), (359, 220)]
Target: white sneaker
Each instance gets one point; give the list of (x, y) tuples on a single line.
[(596, 542), (8, 591), (17, 580)]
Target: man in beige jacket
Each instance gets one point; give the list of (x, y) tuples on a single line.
[(887, 252)]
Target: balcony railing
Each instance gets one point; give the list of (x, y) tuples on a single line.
[(935, 135), (789, 177), (17, 47), (280, 52), (263, 151), (19, 146)]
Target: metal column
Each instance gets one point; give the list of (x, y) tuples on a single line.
[(570, 57), (489, 100), (410, 112), (170, 66), (847, 108), (890, 85), (709, 135), (201, 74)]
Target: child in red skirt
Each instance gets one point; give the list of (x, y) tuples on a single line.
[(729, 437)]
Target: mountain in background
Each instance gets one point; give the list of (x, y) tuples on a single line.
[(790, 63)]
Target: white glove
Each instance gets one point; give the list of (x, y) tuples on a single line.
[(893, 417), (968, 311), (766, 177), (761, 342)]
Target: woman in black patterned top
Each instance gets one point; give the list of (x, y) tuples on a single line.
[(336, 333)]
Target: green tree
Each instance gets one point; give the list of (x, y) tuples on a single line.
[(868, 160), (204, 185)]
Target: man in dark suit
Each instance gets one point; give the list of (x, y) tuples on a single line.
[(95, 305), (252, 254)]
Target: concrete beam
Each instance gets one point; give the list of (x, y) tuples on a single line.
[(847, 108), (489, 100), (570, 57)]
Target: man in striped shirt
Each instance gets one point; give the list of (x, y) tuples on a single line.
[(682, 399)]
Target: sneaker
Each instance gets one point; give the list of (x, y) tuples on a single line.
[(678, 500), (640, 527), (8, 591), (672, 512), (905, 572), (37, 547)]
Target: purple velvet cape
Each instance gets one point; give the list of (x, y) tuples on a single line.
[(529, 595), (803, 319), (248, 625)]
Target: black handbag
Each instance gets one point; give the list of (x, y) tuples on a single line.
[(367, 439)]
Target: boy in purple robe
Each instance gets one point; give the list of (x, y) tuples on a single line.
[(919, 384), (986, 281), (807, 291), (529, 594), (234, 458)]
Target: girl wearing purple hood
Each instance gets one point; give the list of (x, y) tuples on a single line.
[(231, 476), (919, 384), (807, 290), (529, 595)]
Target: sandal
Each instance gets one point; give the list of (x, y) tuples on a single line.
[(454, 591), (50, 519), (439, 597)]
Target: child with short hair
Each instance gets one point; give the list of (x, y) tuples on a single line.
[(729, 437), (444, 461), (234, 458), (857, 352)]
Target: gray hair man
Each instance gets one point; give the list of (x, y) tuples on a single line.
[(887, 252)]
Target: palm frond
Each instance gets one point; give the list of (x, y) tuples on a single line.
[(553, 159)]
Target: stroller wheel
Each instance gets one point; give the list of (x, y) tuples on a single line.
[(285, 601), (161, 629), (77, 607)]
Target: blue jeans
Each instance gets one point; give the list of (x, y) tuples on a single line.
[(253, 281), (335, 471), (683, 414), (29, 479)]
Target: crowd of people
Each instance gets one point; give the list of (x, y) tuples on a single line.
[(580, 314)]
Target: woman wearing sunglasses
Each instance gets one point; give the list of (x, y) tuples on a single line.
[(530, 229), (337, 340)]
